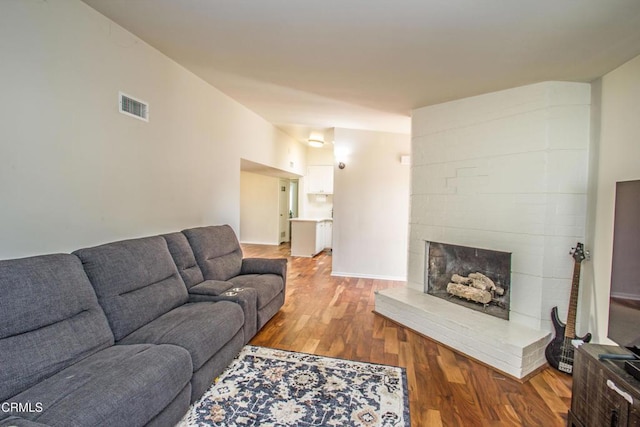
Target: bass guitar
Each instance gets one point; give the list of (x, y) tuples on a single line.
[(559, 352)]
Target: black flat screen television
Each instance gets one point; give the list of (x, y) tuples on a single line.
[(624, 301)]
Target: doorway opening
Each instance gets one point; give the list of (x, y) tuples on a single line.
[(268, 198)]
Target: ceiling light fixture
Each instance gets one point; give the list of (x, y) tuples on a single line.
[(315, 142)]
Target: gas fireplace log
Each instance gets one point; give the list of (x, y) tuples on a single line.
[(482, 285), (479, 277), (479, 284), (470, 293), (456, 278)]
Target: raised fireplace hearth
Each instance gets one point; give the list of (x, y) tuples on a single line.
[(478, 327), (507, 346)]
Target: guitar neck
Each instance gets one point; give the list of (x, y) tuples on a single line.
[(570, 330)]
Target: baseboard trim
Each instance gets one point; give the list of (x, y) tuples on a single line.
[(369, 276), (260, 243)]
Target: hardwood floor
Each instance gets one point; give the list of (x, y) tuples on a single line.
[(332, 316)]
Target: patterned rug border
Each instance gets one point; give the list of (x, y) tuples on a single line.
[(269, 352)]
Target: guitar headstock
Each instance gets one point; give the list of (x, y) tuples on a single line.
[(578, 253)]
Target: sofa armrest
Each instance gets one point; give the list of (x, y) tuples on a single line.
[(276, 266), (210, 288)]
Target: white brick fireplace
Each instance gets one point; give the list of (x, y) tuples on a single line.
[(505, 171)]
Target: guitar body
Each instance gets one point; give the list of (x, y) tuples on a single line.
[(559, 351)]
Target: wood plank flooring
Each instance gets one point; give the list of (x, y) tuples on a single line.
[(332, 316)]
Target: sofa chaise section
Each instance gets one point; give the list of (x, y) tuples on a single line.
[(218, 254), (146, 302), (59, 363)]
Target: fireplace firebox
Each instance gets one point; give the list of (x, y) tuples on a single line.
[(472, 277)]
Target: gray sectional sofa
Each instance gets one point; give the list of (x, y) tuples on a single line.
[(128, 333), (223, 269)]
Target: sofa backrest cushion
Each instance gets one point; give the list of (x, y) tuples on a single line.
[(184, 258), (217, 251), (49, 319), (136, 281)]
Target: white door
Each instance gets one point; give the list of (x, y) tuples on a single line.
[(283, 210)]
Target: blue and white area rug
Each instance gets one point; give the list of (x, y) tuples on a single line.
[(267, 387)]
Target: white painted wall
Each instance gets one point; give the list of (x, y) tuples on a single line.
[(74, 172), (506, 171), (259, 209), (618, 143), (371, 205)]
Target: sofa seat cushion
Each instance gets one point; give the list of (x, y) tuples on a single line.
[(202, 328), (268, 286), (118, 386), (20, 422)]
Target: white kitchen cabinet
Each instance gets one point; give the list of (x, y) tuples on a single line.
[(319, 179), (320, 226), (309, 237), (328, 234)]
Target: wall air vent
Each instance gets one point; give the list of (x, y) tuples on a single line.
[(133, 107)]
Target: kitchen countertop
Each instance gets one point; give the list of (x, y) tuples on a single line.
[(310, 219)]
